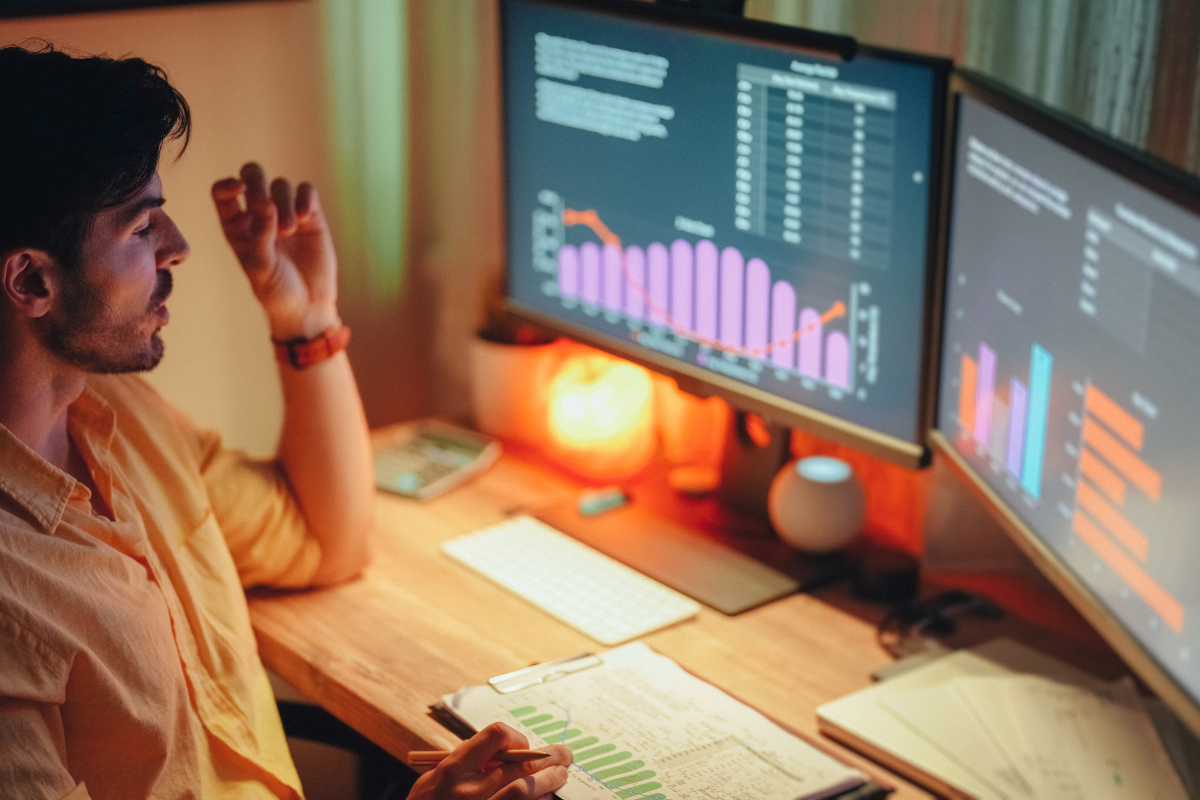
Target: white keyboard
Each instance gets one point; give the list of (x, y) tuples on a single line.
[(568, 580)]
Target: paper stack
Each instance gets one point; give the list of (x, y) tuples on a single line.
[(1002, 722)]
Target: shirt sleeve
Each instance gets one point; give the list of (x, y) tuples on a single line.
[(32, 744), (258, 514), (30, 760), (251, 500)]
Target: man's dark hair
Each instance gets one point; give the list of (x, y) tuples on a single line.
[(77, 136)]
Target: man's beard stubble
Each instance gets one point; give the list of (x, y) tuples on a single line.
[(80, 335)]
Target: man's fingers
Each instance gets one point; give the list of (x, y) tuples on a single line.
[(306, 200), (281, 193), (534, 786), (559, 754), (256, 184), (226, 196), (481, 748), (530, 777)]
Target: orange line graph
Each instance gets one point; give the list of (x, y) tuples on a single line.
[(591, 219), (838, 309)]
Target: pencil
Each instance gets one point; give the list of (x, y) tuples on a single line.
[(436, 756)]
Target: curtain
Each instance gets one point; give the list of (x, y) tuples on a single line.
[(1126, 67), (366, 69)]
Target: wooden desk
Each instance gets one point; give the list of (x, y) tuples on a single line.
[(377, 651)]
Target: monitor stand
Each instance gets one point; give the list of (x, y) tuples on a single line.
[(707, 548)]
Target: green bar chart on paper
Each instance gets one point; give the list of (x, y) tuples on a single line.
[(618, 771), (639, 726)]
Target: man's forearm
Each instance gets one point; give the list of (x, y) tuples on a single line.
[(326, 453)]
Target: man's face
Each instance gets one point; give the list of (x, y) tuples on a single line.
[(112, 308)]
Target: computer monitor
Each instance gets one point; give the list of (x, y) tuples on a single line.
[(743, 206), (1070, 382)]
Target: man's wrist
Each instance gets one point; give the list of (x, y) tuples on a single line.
[(301, 353), (307, 326)]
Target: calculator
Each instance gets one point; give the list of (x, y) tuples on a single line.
[(432, 458)]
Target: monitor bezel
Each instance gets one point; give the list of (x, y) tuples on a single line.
[(1149, 173), (696, 380)]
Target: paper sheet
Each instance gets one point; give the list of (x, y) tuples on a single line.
[(947, 722), (642, 727), (1087, 742), (1045, 771)]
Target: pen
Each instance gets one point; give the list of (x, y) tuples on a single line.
[(436, 756)]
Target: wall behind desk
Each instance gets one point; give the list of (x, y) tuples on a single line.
[(252, 77)]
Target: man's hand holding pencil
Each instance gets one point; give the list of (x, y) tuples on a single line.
[(494, 764)]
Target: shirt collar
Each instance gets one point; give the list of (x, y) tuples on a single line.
[(38, 486)]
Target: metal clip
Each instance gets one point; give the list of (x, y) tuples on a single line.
[(543, 673)]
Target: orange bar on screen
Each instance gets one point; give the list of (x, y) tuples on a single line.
[(1155, 596), (1139, 474), (1108, 481), (1134, 540), (966, 395), (1120, 421)]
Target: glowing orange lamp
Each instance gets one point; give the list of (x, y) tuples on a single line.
[(601, 417)]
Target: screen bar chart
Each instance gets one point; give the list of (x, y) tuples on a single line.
[(714, 296), (719, 299), (1110, 470), (1012, 431)]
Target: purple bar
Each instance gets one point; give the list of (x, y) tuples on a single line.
[(837, 360), (613, 278), (732, 267), (783, 330), (635, 276), (1018, 403), (984, 392), (568, 271), (681, 286), (706, 291), (658, 265), (810, 343), (758, 291), (589, 257)]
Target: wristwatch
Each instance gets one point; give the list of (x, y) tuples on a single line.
[(301, 352)]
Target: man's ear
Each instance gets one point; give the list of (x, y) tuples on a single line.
[(29, 281)]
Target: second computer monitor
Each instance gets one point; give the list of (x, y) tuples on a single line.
[(717, 201), (1071, 383)]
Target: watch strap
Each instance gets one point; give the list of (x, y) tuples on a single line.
[(301, 353)]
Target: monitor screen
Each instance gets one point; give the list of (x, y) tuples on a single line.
[(1070, 378), (718, 202)]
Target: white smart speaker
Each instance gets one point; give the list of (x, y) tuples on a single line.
[(817, 504)]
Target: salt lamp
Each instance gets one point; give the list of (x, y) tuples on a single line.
[(600, 419)]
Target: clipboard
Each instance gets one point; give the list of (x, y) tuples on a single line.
[(566, 698)]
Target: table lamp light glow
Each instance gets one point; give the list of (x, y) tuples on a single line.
[(601, 417)]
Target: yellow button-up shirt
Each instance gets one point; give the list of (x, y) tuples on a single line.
[(128, 668)]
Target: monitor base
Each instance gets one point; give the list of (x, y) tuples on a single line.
[(701, 548)]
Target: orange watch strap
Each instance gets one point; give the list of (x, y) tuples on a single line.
[(301, 353)]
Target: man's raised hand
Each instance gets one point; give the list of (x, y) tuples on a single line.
[(284, 245)]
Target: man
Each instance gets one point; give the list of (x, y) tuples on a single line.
[(127, 665)]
